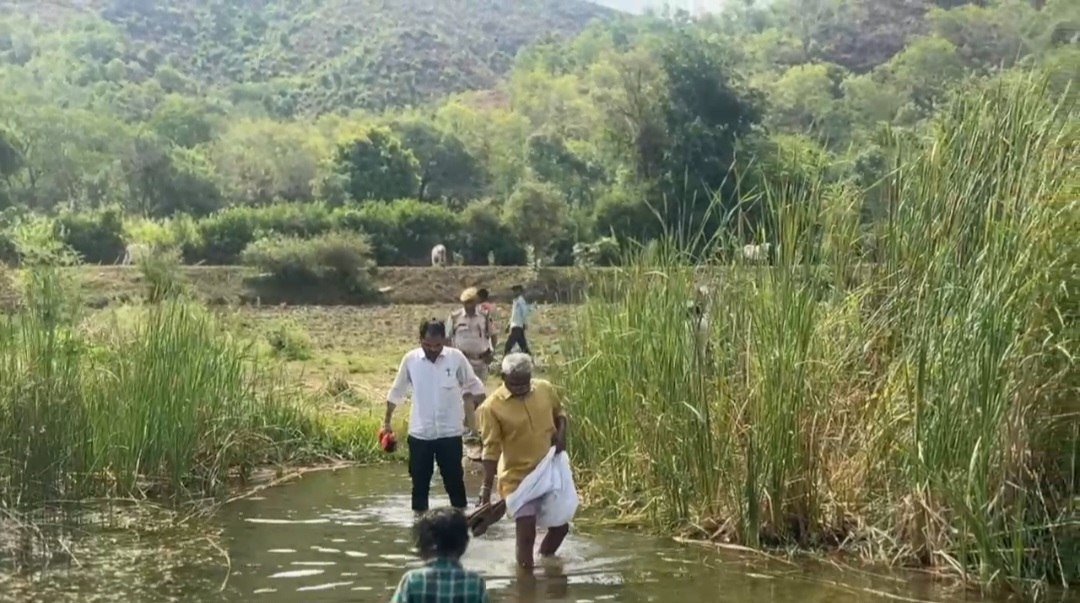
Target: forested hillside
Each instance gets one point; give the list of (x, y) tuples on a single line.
[(306, 56), (153, 127)]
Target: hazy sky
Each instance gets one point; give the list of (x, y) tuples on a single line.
[(639, 6)]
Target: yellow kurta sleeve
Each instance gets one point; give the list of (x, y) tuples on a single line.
[(551, 393), (490, 432)]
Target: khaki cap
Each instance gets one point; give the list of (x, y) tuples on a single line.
[(470, 294)]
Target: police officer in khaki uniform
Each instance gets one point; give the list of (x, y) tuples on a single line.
[(470, 331)]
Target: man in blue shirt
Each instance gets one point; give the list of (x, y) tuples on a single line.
[(519, 318)]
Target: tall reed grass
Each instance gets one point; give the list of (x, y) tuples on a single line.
[(924, 413), (168, 405)]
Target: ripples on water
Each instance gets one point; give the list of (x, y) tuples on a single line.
[(345, 537)]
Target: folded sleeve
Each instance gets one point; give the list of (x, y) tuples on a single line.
[(402, 383)]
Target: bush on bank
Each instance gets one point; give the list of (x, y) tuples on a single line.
[(924, 415), (157, 401), (340, 259), (400, 232)]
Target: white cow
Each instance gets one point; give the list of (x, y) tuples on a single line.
[(757, 254), (134, 253), (438, 255)]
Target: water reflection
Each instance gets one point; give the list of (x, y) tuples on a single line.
[(355, 525), (345, 537)]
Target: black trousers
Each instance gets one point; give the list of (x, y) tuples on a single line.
[(517, 337), (423, 455)]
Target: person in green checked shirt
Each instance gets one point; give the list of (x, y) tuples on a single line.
[(442, 535)]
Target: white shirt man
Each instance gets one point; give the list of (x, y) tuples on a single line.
[(437, 376), (519, 314)]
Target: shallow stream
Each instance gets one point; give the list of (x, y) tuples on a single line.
[(344, 537)]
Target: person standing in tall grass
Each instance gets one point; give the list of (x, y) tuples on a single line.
[(437, 376), (698, 325), (488, 307)]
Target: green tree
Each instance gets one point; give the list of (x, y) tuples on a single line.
[(260, 161), (11, 160), (378, 166), (484, 233), (624, 212), (536, 215), (708, 110), (872, 98), (184, 121), (632, 92), (806, 98), (927, 69), (990, 37), (809, 22), (64, 151), (551, 159), (162, 182), (447, 169)]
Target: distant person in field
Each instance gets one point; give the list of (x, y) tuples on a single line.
[(442, 536), (488, 307), (698, 325), (519, 320), (470, 332), (436, 375), (519, 423), (438, 255)]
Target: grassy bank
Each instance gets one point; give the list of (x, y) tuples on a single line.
[(926, 415), (166, 405), (351, 353), (102, 286)]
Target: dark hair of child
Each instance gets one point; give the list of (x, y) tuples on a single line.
[(442, 533)]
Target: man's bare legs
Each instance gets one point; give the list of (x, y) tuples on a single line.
[(553, 540), (526, 540)]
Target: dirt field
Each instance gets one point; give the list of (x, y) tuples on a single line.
[(224, 285), (353, 352)]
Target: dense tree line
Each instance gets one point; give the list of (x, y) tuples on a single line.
[(634, 123)]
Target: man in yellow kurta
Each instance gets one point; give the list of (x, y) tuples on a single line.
[(519, 423)]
